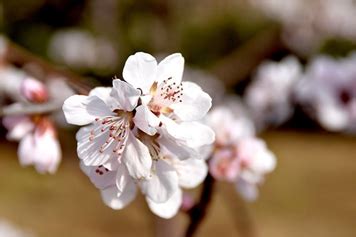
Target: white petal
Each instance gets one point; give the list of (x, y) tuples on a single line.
[(123, 178), (41, 151), (89, 149), (169, 208), (163, 183), (115, 199), (247, 190), (145, 120), (191, 172), (185, 135), (26, 150), (102, 177), (195, 103), (171, 67), (18, 126), (125, 94), (137, 158), (140, 71), (103, 93), (81, 110)]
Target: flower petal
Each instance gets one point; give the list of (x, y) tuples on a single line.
[(43, 151), (101, 177), (125, 94), (103, 93), (185, 136), (195, 103), (123, 178), (18, 126), (169, 208), (191, 172), (171, 67), (115, 199), (145, 120), (89, 148), (163, 183), (248, 191), (140, 71), (82, 110), (137, 158)]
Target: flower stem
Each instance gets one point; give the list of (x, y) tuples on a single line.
[(198, 212)]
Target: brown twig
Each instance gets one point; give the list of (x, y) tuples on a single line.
[(15, 54), (198, 212)]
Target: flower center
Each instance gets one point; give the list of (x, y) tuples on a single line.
[(168, 92), (115, 129)]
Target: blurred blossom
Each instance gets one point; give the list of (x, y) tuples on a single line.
[(187, 202), (238, 156), (143, 133), (209, 83), (38, 145), (9, 230), (11, 79), (81, 50), (268, 97), (307, 22), (328, 92)]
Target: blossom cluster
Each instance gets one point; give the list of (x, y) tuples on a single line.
[(325, 90), (143, 134), (36, 132), (328, 92), (306, 23), (238, 156)]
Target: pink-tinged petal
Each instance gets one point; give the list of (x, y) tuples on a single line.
[(140, 71), (248, 191), (171, 67), (187, 202), (82, 110), (41, 150), (191, 172), (89, 147), (137, 158), (163, 183), (34, 91), (125, 94), (18, 126), (115, 199), (225, 165), (169, 208), (145, 120), (194, 105)]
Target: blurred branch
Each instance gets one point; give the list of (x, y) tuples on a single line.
[(198, 212), (14, 54), (27, 108), (241, 62), (239, 212)]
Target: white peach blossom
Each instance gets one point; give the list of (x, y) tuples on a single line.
[(134, 125)]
